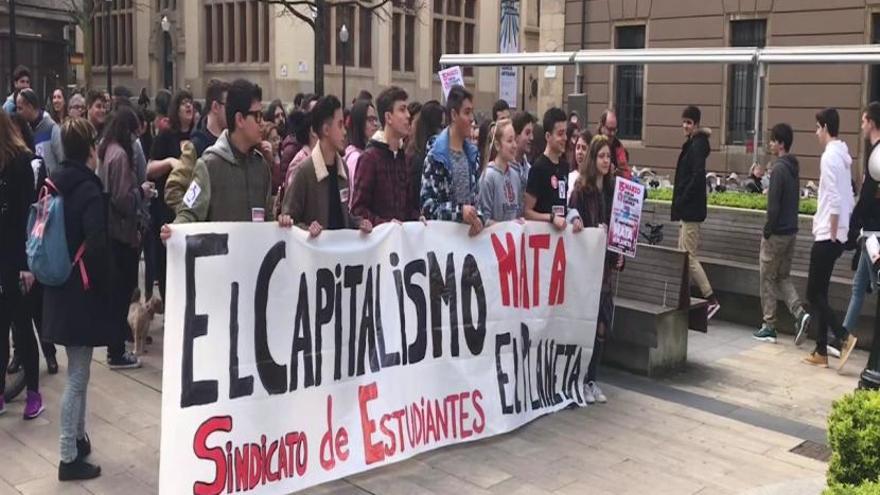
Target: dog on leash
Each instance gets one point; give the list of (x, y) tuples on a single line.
[(140, 315)]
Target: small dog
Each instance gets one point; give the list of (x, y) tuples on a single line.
[(140, 315)]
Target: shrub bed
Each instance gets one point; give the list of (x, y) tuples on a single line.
[(742, 200)]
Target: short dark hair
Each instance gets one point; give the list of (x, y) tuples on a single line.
[(298, 99), (214, 92), (364, 95), (174, 109), (122, 92), (456, 98), (414, 108), (872, 112), (783, 134), (307, 100), (299, 124), (162, 102), (358, 119), (552, 117), (386, 100), (242, 93), (94, 95), (499, 106), (830, 119), (77, 138), (324, 111), (20, 72), (31, 97), (520, 120), (693, 113)]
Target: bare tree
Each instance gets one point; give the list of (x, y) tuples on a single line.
[(315, 13)]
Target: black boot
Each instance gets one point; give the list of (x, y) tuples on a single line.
[(77, 470), (83, 448), (14, 365), (52, 364)]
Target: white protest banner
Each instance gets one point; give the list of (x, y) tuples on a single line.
[(509, 43), (626, 217), (292, 361), (449, 78)]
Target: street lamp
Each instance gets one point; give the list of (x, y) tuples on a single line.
[(108, 62), (166, 24), (167, 62), (343, 38)]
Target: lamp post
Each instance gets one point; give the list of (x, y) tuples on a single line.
[(167, 67), (12, 48), (343, 38), (108, 62)]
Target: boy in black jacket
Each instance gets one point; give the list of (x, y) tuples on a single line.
[(689, 199), (780, 233)]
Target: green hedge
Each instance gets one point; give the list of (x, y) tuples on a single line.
[(854, 438), (867, 488), (735, 200)]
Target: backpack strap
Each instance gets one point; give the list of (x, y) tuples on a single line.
[(78, 260)]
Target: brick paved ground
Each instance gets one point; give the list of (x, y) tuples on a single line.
[(723, 425)]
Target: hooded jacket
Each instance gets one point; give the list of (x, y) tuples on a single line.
[(120, 180), (202, 138), (783, 197), (47, 141), (383, 187), (866, 214), (16, 195), (306, 200), (835, 193), (227, 186), (438, 194), (501, 194), (689, 192)]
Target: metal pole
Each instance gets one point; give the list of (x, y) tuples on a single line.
[(578, 78), (344, 60), (108, 61), (12, 48), (759, 86)]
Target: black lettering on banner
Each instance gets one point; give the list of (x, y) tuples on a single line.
[(517, 405), (324, 303), (367, 337), (501, 340), (398, 288), (386, 359), (195, 393), (272, 375), (302, 339), (472, 281), (416, 294), (337, 363), (354, 275), (238, 387), (527, 364), (443, 292)]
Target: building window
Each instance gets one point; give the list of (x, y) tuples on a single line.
[(629, 85), (403, 37), (359, 49), (166, 5), (875, 69), (455, 24), (121, 49), (741, 87), (233, 31)]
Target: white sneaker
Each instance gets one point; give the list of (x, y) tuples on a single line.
[(712, 309), (589, 397), (596, 392), (833, 352)]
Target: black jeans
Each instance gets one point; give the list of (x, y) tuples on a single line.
[(822, 258), (125, 259), (13, 314)]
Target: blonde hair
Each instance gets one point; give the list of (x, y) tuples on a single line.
[(496, 132)]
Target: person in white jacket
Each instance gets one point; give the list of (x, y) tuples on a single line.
[(830, 230)]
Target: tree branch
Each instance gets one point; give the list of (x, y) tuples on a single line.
[(289, 6)]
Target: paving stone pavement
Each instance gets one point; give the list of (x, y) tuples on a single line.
[(723, 425)]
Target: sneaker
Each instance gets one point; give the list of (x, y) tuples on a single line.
[(2, 405), (33, 405), (77, 470), (589, 398), (846, 349), (125, 362), (816, 359), (833, 351), (14, 365), (596, 392), (765, 334), (803, 325), (712, 309), (52, 364), (83, 447)]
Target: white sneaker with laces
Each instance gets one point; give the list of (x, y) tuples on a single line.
[(589, 398), (597, 392)]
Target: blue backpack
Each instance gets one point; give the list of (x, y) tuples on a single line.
[(47, 254)]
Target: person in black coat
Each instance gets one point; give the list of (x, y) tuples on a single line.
[(16, 195), (77, 314), (689, 199)]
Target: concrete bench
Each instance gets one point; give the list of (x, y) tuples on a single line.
[(653, 312), (729, 250)]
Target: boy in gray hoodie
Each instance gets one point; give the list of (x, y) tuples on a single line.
[(780, 235)]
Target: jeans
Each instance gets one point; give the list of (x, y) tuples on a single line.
[(14, 314), (775, 265), (73, 401), (126, 261), (822, 258), (862, 280), (689, 240)]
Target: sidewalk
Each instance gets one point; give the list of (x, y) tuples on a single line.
[(724, 425)]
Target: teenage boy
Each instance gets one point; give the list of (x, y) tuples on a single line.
[(780, 236), (524, 128), (96, 109), (214, 124), (21, 79), (47, 133), (830, 229)]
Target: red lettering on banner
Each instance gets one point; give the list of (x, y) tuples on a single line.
[(507, 269), (201, 450), (334, 442), (513, 271), (537, 243), (557, 275), (373, 452), (477, 397)]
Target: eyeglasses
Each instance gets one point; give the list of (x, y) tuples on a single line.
[(373, 120), (256, 114)]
